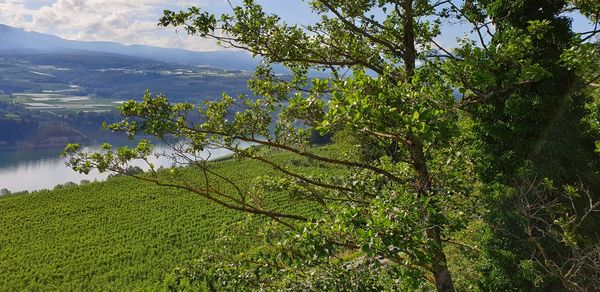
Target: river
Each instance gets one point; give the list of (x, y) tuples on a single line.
[(37, 169)]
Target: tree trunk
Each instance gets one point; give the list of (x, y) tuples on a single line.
[(441, 274)]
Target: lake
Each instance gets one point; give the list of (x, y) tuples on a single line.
[(37, 169)]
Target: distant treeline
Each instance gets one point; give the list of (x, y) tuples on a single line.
[(20, 126)]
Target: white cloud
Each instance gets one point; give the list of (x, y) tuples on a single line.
[(123, 21)]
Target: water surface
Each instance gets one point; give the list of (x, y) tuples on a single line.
[(37, 169)]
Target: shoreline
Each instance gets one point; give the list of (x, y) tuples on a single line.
[(55, 167)]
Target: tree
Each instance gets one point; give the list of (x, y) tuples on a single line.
[(402, 207), (528, 92), (525, 88)]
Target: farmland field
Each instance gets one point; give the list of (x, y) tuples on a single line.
[(60, 102), (124, 234), (93, 82)]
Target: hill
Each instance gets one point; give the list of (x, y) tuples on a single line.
[(19, 39), (124, 234)]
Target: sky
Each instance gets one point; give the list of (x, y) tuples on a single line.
[(124, 21), (135, 21)]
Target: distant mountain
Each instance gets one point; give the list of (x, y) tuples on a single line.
[(12, 39)]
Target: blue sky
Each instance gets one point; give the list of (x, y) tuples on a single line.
[(134, 21), (125, 21)]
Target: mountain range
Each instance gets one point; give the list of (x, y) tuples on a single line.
[(16, 39)]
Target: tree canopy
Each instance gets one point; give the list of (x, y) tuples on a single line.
[(446, 147)]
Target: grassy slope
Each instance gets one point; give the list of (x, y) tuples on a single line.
[(120, 234)]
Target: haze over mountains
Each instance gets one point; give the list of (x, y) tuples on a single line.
[(13, 39)]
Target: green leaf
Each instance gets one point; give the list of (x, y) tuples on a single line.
[(415, 116)]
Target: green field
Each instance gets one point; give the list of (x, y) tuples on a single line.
[(124, 234)]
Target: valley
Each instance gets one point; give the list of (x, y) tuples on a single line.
[(48, 99), (94, 81)]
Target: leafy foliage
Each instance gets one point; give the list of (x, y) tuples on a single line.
[(437, 166)]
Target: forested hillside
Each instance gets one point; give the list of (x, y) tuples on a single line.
[(23, 128)]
